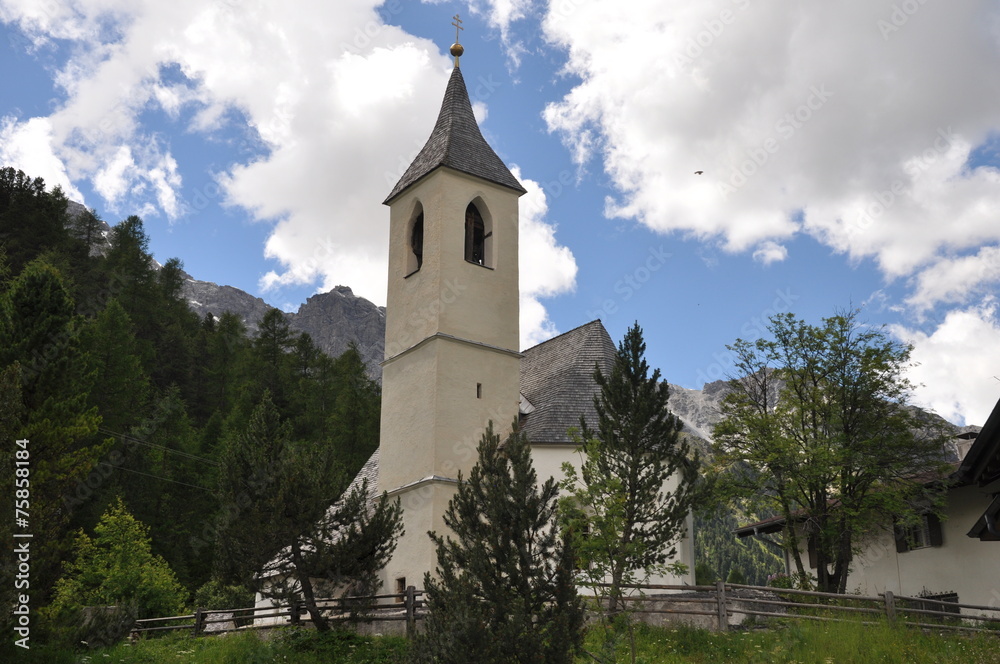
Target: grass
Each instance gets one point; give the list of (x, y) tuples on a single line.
[(802, 643), (806, 643), (292, 646)]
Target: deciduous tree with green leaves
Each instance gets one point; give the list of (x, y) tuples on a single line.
[(503, 590), (116, 568), (817, 430)]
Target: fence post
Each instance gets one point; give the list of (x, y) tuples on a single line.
[(720, 598), (199, 621), (293, 607), (890, 607), (411, 611)]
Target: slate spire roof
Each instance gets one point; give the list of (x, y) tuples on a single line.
[(457, 143)]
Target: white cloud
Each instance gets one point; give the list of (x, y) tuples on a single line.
[(818, 114), (501, 15), (958, 364), (116, 176), (954, 279), (341, 100), (302, 79), (28, 146), (770, 252), (546, 268)]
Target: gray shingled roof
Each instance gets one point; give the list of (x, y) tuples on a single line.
[(457, 143), (557, 377)]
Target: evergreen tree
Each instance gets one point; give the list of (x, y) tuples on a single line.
[(354, 422), (717, 548), (168, 486), (176, 333), (39, 332), (626, 518), (503, 588), (131, 278), (31, 220), (286, 527), (226, 364), (121, 387), (272, 363)]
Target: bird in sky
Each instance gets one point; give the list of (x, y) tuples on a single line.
[(698, 172)]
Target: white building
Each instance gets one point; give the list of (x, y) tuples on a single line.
[(452, 361), (956, 557)]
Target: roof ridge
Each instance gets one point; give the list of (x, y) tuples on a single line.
[(559, 336)]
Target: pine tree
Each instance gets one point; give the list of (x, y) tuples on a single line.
[(285, 523), (226, 365), (272, 363), (39, 332), (354, 422), (31, 219), (121, 387), (504, 581), (620, 498)]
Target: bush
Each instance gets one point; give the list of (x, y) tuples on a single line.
[(216, 595), (114, 579), (704, 575)]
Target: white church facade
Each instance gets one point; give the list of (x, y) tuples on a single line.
[(452, 362)]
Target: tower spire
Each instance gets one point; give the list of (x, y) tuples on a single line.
[(457, 49)]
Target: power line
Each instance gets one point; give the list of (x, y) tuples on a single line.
[(193, 486), (155, 446)]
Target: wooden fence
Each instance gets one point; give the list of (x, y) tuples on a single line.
[(727, 602), (394, 608), (721, 605)]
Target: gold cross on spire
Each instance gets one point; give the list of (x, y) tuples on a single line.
[(456, 49)]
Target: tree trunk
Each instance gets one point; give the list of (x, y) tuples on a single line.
[(308, 597), (615, 591)]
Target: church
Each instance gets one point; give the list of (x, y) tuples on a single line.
[(452, 362)]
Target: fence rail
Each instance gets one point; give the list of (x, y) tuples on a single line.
[(730, 602), (725, 602), (403, 607)]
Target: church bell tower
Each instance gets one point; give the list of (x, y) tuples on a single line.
[(451, 341)]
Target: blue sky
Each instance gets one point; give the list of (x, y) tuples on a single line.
[(849, 150)]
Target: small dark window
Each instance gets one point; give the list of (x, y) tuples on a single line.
[(475, 236), (925, 533), (401, 589), (479, 390), (417, 239)]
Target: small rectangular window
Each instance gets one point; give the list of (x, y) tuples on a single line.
[(400, 589), (925, 533), (479, 390)]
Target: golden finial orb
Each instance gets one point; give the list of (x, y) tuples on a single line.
[(457, 50)]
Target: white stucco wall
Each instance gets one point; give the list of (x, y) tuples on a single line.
[(961, 564), (452, 364), (548, 460)]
